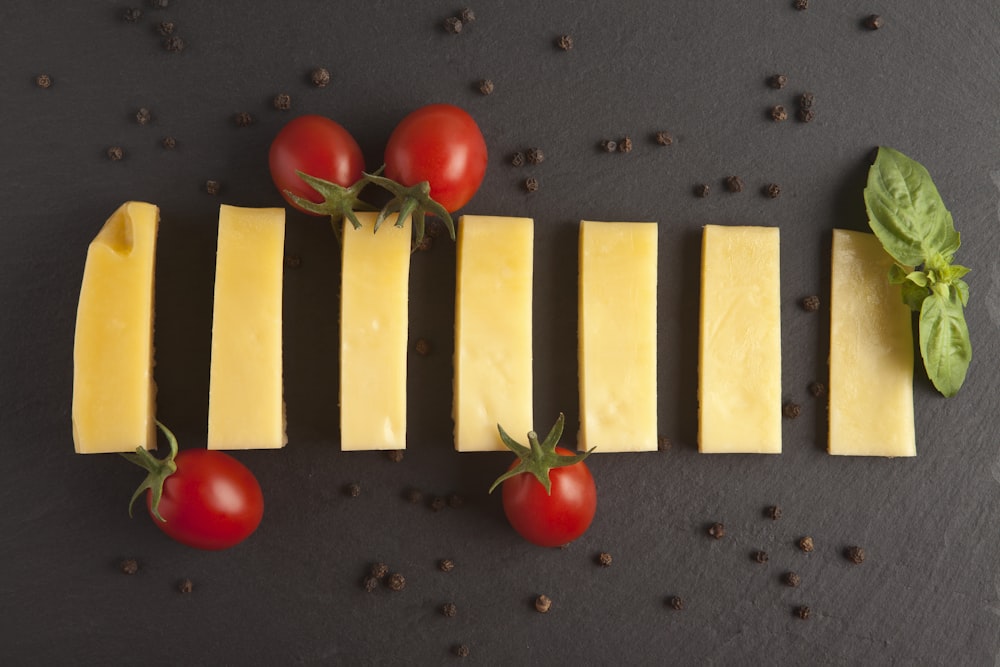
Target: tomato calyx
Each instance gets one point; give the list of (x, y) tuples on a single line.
[(158, 469), (338, 202), (412, 200), (539, 457)]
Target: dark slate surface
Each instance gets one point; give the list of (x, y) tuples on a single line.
[(927, 84)]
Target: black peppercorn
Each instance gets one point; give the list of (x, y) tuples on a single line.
[(817, 389), (131, 15), (565, 42), (115, 153), (449, 609), (455, 501), (807, 115), (625, 145), (803, 612), (772, 190), (874, 22), (534, 156), (43, 81), (320, 77), (422, 347), (517, 159), (185, 586), (855, 554), (791, 410), (810, 304), (425, 244), (609, 146), (773, 512), (791, 579), (531, 184), (453, 25), (543, 603), (129, 566), (438, 503), (778, 113), (353, 490), (806, 544), (734, 184), (461, 650), (394, 455), (801, 5), (807, 100), (702, 190), (165, 28), (777, 81), (143, 116), (486, 86), (396, 582), (282, 102), (663, 443), (664, 138), (676, 602), (370, 583), (173, 44), (760, 556), (169, 143), (159, 4), (467, 15), (414, 496), (293, 262), (243, 119), (604, 559), (213, 187), (446, 565), (379, 570), (717, 530)]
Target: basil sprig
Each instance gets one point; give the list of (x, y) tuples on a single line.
[(909, 218)]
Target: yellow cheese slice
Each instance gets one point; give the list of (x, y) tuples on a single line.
[(245, 405), (493, 371), (114, 396), (617, 331), (739, 350), (871, 353), (373, 334)]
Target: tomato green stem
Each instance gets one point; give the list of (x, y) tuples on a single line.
[(159, 470), (539, 457)]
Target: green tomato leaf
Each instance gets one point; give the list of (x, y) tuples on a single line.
[(944, 339), (906, 211)]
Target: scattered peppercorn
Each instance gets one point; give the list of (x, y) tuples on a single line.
[(609, 146), (664, 138), (43, 81), (169, 143), (353, 489), (320, 77), (676, 602), (517, 159), (663, 443), (806, 544), (801, 5), (449, 609), (543, 603), (807, 115), (531, 184), (810, 304), (461, 650), (760, 556), (185, 586), (212, 187), (293, 262), (173, 44), (807, 100), (243, 119), (129, 566), (425, 244), (778, 113), (394, 455), (486, 86), (159, 4), (453, 25), (422, 347), (396, 582), (438, 503), (855, 554), (717, 530), (370, 583), (734, 184), (702, 190), (777, 81), (874, 22), (379, 570), (625, 145), (791, 579), (604, 559), (817, 389), (565, 42), (773, 512), (446, 565), (772, 190), (282, 102), (165, 28), (467, 16), (455, 501), (143, 116), (115, 153), (534, 156), (791, 410), (803, 612), (131, 15), (414, 496)]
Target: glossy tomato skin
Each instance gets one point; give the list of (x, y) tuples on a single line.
[(551, 520), (212, 502), (440, 144), (317, 146)]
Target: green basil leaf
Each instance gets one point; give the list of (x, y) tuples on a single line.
[(917, 278), (913, 295), (944, 340), (962, 288), (897, 275), (953, 272), (906, 212)]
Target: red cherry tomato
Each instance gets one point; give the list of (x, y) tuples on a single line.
[(317, 146), (211, 502), (440, 144), (556, 519)]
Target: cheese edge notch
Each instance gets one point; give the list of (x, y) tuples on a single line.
[(114, 395), (617, 336), (493, 330), (246, 408), (374, 323), (739, 344), (871, 353)]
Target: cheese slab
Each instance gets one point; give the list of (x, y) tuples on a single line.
[(246, 409), (373, 333), (739, 348), (617, 331), (871, 353), (493, 354), (114, 396)]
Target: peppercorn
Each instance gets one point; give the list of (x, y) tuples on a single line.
[(663, 443), (425, 244), (282, 102), (169, 143), (717, 530), (791, 410), (807, 115), (143, 116), (791, 579), (807, 100), (243, 119), (422, 347), (734, 184), (810, 304), (609, 146), (801, 5), (165, 28), (212, 187), (803, 612), (806, 544), (394, 455), (397, 582), (129, 566), (414, 496), (370, 583), (625, 145), (773, 512), (772, 190), (467, 15), (455, 501), (446, 565), (517, 159), (461, 650), (159, 4), (676, 602), (131, 15), (543, 603), (534, 156), (320, 77), (43, 81), (778, 113), (449, 609), (874, 22), (664, 138), (565, 42), (293, 262), (777, 81), (855, 554), (531, 184), (185, 586), (115, 153), (353, 489), (173, 44), (453, 25), (760, 556), (486, 86), (817, 389), (438, 503), (379, 570), (702, 190), (604, 559)]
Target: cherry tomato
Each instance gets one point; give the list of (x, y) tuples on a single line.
[(440, 144), (211, 502), (317, 146), (556, 519)]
